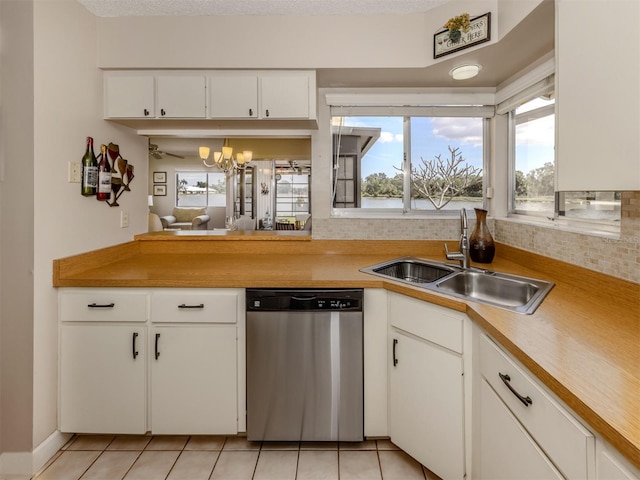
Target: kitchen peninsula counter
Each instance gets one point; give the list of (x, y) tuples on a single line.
[(583, 342)]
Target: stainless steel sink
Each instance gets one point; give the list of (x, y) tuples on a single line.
[(511, 292), (413, 270), (507, 291)]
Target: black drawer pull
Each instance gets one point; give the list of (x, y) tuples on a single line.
[(156, 348), (251, 112), (184, 305), (506, 379), (135, 352), (395, 360), (104, 305)]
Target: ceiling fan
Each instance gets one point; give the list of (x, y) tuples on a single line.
[(155, 153)]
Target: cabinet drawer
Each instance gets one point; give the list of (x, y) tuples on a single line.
[(100, 305), (195, 307), (426, 321), (569, 445)]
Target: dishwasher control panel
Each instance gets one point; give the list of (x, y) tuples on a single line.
[(304, 299)]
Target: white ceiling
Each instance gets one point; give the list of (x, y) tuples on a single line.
[(129, 8)]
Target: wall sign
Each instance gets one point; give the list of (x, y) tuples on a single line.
[(479, 32)]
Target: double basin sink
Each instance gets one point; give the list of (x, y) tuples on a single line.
[(511, 292)]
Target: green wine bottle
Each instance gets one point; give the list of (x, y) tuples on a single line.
[(89, 185)]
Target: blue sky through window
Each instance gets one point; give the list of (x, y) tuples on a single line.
[(431, 136)]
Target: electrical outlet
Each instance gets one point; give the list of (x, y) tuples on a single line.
[(75, 173), (124, 219)]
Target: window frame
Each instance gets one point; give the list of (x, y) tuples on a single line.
[(557, 217), (484, 112), (208, 191)]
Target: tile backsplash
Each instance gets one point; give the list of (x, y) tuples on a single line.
[(616, 257)]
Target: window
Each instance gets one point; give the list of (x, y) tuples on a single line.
[(292, 192), (200, 189), (409, 163), (534, 138), (534, 171)]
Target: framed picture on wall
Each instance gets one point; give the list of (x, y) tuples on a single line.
[(160, 190), (159, 177)]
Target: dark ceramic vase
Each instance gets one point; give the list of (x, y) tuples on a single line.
[(481, 246), (455, 35)]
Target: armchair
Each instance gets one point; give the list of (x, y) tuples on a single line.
[(186, 219)]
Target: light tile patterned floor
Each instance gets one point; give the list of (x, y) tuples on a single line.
[(139, 457)]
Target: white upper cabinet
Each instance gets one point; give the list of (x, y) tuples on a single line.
[(181, 96), (286, 96), (280, 95), (152, 95), (598, 95), (233, 95), (129, 96), (229, 94)]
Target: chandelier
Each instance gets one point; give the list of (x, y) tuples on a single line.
[(225, 160)]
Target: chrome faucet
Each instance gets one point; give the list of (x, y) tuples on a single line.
[(463, 255)]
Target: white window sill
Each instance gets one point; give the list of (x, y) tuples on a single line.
[(398, 214)]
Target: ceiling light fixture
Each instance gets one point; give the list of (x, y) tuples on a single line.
[(224, 160), (464, 72)]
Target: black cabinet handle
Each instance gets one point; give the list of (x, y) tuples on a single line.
[(184, 305), (146, 112), (395, 359), (156, 348), (162, 112), (251, 112), (135, 352), (267, 112), (506, 379), (101, 305)]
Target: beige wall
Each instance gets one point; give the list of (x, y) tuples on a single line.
[(17, 228), (276, 42)]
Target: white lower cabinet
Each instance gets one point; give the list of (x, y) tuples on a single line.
[(506, 450), (524, 433), (124, 369), (194, 380), (612, 466), (426, 385), (102, 378)]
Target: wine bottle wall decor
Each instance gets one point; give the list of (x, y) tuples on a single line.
[(114, 174)]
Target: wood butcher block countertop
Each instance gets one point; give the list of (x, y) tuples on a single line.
[(583, 342)]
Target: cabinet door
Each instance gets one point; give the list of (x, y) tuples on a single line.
[(610, 468), (284, 96), (193, 380), (506, 449), (426, 405), (102, 379), (181, 96), (129, 96), (233, 96)]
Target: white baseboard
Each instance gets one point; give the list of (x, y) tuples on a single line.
[(29, 463)]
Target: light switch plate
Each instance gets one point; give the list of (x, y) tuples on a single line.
[(124, 219), (75, 172)]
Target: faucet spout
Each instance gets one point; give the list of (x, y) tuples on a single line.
[(463, 255)]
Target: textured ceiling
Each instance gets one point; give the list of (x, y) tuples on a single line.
[(129, 8)]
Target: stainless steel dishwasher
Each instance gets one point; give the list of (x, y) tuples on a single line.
[(305, 365)]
